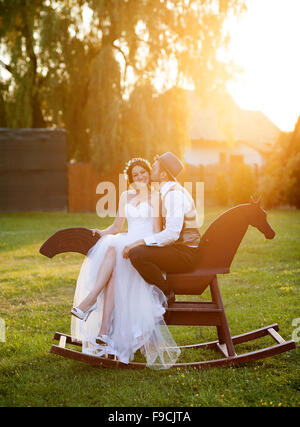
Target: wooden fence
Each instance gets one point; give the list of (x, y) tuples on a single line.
[(33, 170), (82, 183)]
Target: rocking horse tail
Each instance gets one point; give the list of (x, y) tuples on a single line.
[(75, 239)]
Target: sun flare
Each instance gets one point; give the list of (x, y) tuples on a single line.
[(265, 43)]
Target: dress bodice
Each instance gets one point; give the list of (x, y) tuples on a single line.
[(140, 219)]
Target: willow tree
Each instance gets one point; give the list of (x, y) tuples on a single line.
[(173, 43), (101, 82), (155, 123), (46, 63)]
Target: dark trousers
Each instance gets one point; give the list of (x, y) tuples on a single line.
[(151, 261)]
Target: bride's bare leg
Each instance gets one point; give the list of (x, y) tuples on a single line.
[(103, 276), (109, 299)]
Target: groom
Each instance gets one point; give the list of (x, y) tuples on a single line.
[(173, 250)]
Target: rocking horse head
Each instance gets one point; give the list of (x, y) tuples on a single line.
[(221, 240), (258, 218)]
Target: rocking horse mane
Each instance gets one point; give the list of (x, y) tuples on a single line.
[(219, 243)]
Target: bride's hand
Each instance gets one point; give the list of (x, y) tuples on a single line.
[(129, 247), (95, 230)]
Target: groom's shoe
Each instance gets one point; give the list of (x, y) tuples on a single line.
[(170, 297)]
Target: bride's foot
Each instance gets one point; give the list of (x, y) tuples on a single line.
[(103, 339), (83, 315)]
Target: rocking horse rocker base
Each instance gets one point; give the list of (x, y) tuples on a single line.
[(217, 248), (192, 313), (110, 361)]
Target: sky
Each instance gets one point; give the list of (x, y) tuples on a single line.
[(265, 43)]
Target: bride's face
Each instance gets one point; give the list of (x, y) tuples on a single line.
[(139, 174)]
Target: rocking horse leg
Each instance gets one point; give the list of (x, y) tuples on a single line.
[(225, 341)]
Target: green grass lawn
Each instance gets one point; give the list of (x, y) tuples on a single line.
[(36, 295)]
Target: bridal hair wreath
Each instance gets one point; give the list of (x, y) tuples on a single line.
[(131, 163)]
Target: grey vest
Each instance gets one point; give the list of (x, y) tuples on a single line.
[(189, 234)]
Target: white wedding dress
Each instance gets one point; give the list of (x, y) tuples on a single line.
[(137, 320)]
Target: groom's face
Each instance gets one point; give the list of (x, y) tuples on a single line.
[(155, 172)]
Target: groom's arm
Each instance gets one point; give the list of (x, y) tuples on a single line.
[(175, 207), (175, 204)]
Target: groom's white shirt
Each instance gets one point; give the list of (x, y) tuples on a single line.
[(177, 205)]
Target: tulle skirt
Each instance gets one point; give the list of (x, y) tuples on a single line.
[(137, 320)]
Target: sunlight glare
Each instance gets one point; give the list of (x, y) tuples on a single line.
[(265, 42)]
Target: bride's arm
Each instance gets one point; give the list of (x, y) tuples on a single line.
[(157, 222), (118, 223)]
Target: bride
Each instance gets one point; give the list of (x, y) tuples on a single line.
[(115, 310)]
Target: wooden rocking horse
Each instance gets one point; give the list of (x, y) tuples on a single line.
[(216, 251)]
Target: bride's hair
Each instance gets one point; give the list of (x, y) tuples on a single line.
[(137, 161)]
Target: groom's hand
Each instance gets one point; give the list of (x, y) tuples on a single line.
[(126, 251)]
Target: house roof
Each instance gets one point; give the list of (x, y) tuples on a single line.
[(228, 122)]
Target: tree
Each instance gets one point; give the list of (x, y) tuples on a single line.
[(243, 184), (87, 79), (221, 189), (150, 37), (281, 174), (293, 188), (48, 65), (22, 23), (103, 110), (155, 123)]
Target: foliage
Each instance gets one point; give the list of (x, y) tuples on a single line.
[(235, 187), (47, 76), (167, 125), (243, 184), (103, 110), (221, 189), (92, 80), (281, 175), (293, 190)]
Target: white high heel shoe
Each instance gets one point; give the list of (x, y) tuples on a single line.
[(100, 339), (83, 315)]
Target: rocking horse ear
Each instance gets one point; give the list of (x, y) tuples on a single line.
[(258, 201)]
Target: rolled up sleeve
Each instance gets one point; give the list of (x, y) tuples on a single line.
[(175, 209)]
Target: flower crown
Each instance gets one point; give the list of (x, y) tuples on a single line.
[(132, 161)]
